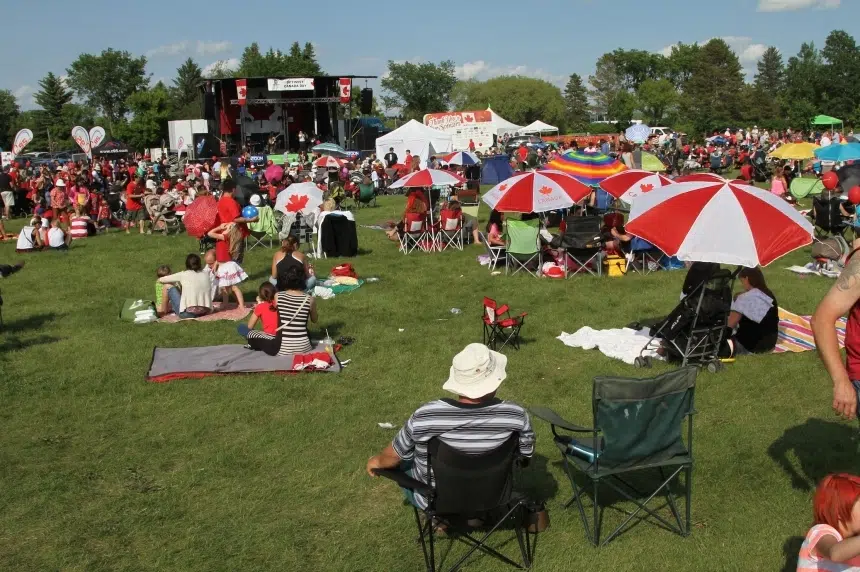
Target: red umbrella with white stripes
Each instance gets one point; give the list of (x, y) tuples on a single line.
[(536, 192), (628, 185), (429, 178), (722, 222), (462, 158), (700, 178), (328, 162)]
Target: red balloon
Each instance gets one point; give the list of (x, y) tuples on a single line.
[(854, 195), (830, 180)]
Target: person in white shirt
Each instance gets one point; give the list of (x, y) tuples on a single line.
[(825, 140), (58, 238), (837, 138)]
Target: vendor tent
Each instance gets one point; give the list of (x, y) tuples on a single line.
[(420, 140), (826, 120), (538, 127), (111, 148), (495, 169), (502, 126)]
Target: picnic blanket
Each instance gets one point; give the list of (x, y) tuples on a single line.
[(186, 363), (222, 312), (795, 333), (809, 269)]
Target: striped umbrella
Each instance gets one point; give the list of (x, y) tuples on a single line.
[(700, 178), (588, 168), (330, 149), (536, 192), (631, 184), (429, 178), (638, 133), (328, 162), (461, 158)]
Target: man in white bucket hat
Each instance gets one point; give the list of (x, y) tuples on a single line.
[(476, 422)]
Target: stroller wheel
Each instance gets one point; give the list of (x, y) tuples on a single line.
[(715, 366), (639, 363), (648, 362)]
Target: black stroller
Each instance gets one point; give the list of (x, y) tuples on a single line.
[(692, 333), (761, 171)]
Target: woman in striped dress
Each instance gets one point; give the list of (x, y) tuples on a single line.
[(294, 309)]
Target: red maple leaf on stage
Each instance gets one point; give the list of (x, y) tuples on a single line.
[(297, 203), (545, 190), (503, 187), (468, 118), (646, 188)]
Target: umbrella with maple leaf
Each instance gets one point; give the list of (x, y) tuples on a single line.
[(299, 198), (536, 192), (630, 184), (328, 162), (201, 216)]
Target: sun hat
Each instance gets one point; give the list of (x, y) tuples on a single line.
[(476, 371), (255, 200), (60, 183), (151, 185)]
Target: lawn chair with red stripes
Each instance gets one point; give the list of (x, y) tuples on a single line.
[(500, 327)]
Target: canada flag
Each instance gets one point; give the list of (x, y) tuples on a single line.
[(345, 89), (468, 118), (242, 91)]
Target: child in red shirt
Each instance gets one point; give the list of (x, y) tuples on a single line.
[(265, 311)]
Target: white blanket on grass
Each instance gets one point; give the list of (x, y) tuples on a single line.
[(624, 344)]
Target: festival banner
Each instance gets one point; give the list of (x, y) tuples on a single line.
[(345, 89), (22, 139), (97, 136), (242, 90), (82, 138), (290, 84)]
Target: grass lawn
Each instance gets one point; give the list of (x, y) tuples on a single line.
[(100, 470)]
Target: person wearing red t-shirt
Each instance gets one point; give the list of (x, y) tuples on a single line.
[(134, 211), (230, 211), (746, 172), (522, 155)]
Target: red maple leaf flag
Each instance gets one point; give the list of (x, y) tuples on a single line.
[(503, 187), (297, 203), (646, 188), (545, 190)]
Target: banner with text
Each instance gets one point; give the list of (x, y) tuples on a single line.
[(22, 139), (82, 138), (291, 84), (97, 136)]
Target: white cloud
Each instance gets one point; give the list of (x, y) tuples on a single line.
[(168, 50), (230, 64), (748, 52), (212, 48), (789, 5), (22, 92), (481, 70)]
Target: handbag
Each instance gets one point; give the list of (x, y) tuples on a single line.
[(344, 270), (300, 308)]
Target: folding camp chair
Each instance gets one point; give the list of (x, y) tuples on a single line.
[(637, 427), (264, 232), (827, 217), (469, 488), (416, 234), (500, 326), (366, 196), (450, 233), (523, 249), (644, 257), (582, 243), (468, 197), (496, 253)]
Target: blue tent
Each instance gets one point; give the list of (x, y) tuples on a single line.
[(495, 169)]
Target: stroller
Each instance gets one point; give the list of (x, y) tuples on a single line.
[(693, 332), (161, 211), (761, 171)]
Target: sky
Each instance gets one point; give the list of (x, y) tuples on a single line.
[(549, 39)]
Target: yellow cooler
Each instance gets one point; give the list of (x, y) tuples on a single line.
[(615, 265)]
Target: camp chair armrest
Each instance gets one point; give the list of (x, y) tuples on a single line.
[(404, 480), (556, 420)]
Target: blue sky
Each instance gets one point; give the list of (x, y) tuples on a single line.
[(549, 39)]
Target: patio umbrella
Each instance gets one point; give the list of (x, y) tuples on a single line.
[(718, 140), (328, 162), (588, 168), (839, 153), (330, 149), (201, 216), (849, 176), (245, 187), (796, 151), (536, 192), (461, 158), (700, 178), (428, 178), (299, 198), (726, 223), (651, 163), (274, 173), (629, 185), (638, 133)]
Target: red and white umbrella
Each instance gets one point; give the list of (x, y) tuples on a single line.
[(429, 178), (536, 192), (722, 222), (201, 216), (299, 198), (628, 185), (461, 158), (328, 162), (700, 178)]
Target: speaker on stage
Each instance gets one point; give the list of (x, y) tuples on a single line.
[(208, 105), (366, 101)]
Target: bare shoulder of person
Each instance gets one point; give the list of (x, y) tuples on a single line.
[(850, 276)]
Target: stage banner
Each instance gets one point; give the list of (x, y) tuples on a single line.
[(22, 139), (345, 89), (242, 91), (97, 136), (291, 84), (82, 138)]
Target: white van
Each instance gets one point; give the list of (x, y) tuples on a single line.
[(661, 131)]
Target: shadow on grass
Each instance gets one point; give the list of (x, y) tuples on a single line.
[(33, 322), (13, 343), (791, 549), (820, 447)]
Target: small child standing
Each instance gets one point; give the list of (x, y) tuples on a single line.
[(265, 311), (834, 542), (227, 272), (162, 298)]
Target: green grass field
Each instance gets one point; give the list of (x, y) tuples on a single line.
[(101, 470)]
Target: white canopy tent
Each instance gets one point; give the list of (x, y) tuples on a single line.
[(502, 126), (420, 140), (538, 127)]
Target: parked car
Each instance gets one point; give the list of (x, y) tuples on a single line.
[(532, 142), (661, 131)]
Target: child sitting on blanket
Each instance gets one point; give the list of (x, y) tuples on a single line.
[(162, 300), (265, 311), (228, 274)]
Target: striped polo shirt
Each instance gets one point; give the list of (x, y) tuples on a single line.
[(471, 428)]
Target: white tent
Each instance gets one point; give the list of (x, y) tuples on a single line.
[(538, 127), (502, 126), (420, 140)]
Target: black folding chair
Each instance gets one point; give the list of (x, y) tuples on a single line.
[(827, 217), (469, 488), (582, 243), (637, 427)]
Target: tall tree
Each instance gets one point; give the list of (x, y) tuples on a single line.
[(842, 72), (151, 110), (680, 63), (768, 91), (656, 98), (418, 88), (576, 104), (803, 85), (275, 63), (637, 66), (52, 98), (606, 84), (770, 77), (309, 54), (521, 100), (712, 95), (9, 111), (186, 89), (107, 80)]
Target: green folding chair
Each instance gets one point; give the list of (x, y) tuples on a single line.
[(366, 196), (638, 426), (523, 248)]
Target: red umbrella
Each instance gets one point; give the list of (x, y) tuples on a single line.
[(628, 185), (536, 192), (700, 178), (429, 178), (201, 216), (274, 173), (329, 162)]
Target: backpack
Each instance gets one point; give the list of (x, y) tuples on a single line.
[(344, 270)]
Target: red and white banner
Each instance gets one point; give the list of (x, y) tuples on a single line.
[(455, 119), (242, 91), (97, 136), (82, 138), (345, 89), (22, 139)]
